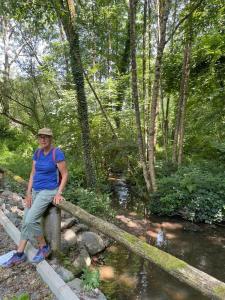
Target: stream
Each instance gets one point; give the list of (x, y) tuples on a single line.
[(127, 276)]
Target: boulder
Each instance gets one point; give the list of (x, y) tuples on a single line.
[(92, 242), (82, 259), (68, 223), (80, 228), (70, 237)]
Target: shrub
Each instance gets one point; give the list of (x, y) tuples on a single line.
[(95, 203), (195, 191), (91, 279)]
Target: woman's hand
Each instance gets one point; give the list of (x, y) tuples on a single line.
[(58, 198), (28, 200)]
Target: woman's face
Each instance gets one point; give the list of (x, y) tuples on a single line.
[(44, 141)]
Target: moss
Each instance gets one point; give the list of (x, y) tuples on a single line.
[(157, 256), (220, 291)]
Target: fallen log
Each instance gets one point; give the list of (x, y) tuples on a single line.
[(179, 269)]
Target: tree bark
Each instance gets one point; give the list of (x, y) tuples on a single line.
[(163, 16), (144, 54), (144, 85), (135, 94), (6, 70), (122, 70), (67, 14), (180, 115), (184, 96)]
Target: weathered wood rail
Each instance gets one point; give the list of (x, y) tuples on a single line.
[(179, 269)]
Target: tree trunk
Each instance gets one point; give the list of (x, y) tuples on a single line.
[(6, 70), (184, 92), (135, 94), (180, 115), (67, 16), (66, 60), (163, 16), (149, 86), (144, 55), (122, 70), (144, 86)]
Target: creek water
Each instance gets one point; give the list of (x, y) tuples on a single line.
[(127, 276)]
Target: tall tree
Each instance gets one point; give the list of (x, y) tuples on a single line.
[(67, 14), (163, 11), (183, 95), (123, 68), (135, 93)]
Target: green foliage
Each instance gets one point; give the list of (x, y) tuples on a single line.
[(16, 153), (195, 191), (90, 278), (95, 203)]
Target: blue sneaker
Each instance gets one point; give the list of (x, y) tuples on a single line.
[(41, 254), (15, 260)]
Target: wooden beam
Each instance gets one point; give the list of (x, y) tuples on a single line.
[(59, 288)]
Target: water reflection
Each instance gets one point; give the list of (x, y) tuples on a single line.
[(137, 279)]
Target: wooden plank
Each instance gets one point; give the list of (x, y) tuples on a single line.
[(59, 288)]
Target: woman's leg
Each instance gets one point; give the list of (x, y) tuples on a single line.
[(32, 221), (22, 245)]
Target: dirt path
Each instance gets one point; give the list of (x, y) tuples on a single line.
[(20, 279)]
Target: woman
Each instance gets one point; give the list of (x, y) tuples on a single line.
[(44, 187)]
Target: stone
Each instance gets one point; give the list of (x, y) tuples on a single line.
[(7, 194), (82, 259), (17, 211), (68, 223), (70, 237), (16, 197), (65, 274), (1, 201), (80, 228), (76, 286), (92, 242)]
